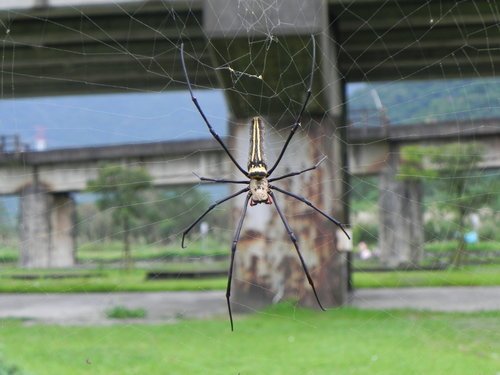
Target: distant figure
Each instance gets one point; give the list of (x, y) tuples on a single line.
[(364, 251), (471, 237), (40, 139)]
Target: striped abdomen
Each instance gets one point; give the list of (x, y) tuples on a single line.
[(257, 167)]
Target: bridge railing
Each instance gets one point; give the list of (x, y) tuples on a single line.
[(11, 144), (368, 117)]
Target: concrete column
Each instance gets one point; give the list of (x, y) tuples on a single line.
[(46, 229), (400, 217), (267, 267), (35, 227), (62, 253), (260, 42)]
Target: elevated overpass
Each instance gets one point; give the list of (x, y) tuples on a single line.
[(59, 47), (58, 173), (173, 162)]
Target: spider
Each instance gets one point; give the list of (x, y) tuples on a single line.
[(259, 187)]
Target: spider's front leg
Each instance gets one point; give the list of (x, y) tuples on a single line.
[(198, 107), (298, 120)]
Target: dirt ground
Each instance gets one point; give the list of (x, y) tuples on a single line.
[(165, 307)]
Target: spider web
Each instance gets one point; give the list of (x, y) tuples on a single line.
[(128, 114)]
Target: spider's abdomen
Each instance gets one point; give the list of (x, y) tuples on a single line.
[(257, 167), (259, 190)]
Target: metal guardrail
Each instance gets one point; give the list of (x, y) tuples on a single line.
[(12, 144)]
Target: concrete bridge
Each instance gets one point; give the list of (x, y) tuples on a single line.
[(134, 46), (173, 162), (45, 180)]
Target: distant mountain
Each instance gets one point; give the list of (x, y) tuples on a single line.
[(409, 102), (75, 121)]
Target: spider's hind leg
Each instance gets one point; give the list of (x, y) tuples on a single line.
[(208, 210), (233, 252), (304, 200), (296, 244)]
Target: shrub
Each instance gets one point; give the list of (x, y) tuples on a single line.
[(366, 232), (9, 370), (122, 312)]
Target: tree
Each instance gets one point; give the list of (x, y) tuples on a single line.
[(120, 189), (174, 209), (454, 169)]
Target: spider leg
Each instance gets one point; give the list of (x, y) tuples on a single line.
[(233, 252), (296, 244), (298, 120), (291, 174), (219, 180), (197, 105), (304, 200), (210, 209)]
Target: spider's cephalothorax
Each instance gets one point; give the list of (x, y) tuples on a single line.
[(260, 183), (257, 168)]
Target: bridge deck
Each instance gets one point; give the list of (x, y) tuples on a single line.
[(172, 162), (128, 46)]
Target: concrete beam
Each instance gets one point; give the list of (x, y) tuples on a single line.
[(369, 147), (172, 163), (69, 170), (231, 19), (269, 76), (374, 40)]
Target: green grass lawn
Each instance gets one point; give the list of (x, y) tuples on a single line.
[(113, 251), (105, 252), (115, 280), (282, 340), (8, 254), (448, 246), (484, 275), (102, 281)]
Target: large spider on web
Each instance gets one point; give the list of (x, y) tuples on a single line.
[(259, 188)]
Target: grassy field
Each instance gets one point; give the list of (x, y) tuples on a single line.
[(100, 281), (115, 280), (483, 275), (443, 246), (283, 340), (105, 252), (113, 251)]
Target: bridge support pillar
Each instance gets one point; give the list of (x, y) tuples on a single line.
[(47, 222), (267, 267), (63, 242), (269, 61), (400, 217)]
